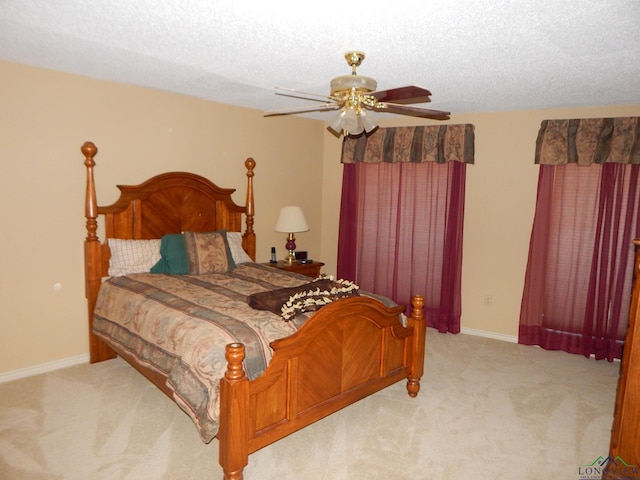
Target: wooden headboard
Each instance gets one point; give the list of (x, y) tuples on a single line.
[(172, 202)]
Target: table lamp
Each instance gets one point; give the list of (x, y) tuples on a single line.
[(291, 220)]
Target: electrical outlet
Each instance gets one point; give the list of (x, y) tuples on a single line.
[(487, 300)]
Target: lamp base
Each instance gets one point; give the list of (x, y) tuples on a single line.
[(291, 257), (291, 247)]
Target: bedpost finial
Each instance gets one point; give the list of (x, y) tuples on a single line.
[(235, 356), (89, 149), (250, 163), (417, 302)]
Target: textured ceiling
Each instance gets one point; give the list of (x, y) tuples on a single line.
[(474, 56)]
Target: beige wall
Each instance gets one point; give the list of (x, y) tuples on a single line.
[(46, 116)]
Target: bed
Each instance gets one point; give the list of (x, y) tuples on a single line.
[(309, 367)]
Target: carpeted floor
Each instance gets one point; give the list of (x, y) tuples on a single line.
[(487, 410)]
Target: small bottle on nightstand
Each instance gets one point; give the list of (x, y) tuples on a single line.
[(273, 255)]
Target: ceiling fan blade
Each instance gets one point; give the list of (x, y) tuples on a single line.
[(301, 94), (403, 95), (323, 99), (308, 108), (413, 111)]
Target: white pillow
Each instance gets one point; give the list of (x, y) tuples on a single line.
[(132, 256), (234, 239)]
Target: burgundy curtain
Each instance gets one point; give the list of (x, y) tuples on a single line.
[(401, 220), (580, 268)]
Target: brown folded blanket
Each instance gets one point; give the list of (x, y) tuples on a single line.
[(288, 302)]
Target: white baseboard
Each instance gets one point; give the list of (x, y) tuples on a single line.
[(43, 368), (495, 336), (505, 338)]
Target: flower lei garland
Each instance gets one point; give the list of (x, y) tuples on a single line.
[(314, 299)]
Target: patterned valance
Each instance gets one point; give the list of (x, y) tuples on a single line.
[(441, 143), (589, 140)]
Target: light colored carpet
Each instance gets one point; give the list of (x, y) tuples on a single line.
[(487, 410)]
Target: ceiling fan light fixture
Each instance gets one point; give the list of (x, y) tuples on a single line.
[(336, 123), (368, 121), (356, 97), (351, 122)]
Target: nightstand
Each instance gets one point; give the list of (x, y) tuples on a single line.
[(309, 269)]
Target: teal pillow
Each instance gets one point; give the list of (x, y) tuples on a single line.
[(173, 256)]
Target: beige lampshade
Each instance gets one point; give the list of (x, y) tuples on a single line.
[(291, 220)]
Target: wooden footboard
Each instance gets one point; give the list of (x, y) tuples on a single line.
[(347, 351)]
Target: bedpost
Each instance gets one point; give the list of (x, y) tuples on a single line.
[(92, 255), (89, 151), (234, 411), (249, 236), (416, 366)]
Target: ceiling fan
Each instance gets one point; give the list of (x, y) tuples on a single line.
[(355, 95)]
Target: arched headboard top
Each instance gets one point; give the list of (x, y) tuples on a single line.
[(171, 202), (170, 180)]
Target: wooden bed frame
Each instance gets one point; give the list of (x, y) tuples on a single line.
[(343, 353)]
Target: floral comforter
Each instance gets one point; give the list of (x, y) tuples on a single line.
[(179, 325)]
